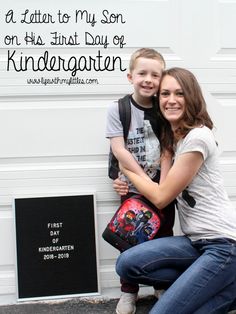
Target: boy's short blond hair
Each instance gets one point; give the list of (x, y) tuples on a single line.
[(148, 53)]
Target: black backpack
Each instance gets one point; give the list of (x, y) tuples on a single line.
[(125, 118)]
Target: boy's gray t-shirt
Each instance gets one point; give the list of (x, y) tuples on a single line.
[(205, 210), (142, 142)]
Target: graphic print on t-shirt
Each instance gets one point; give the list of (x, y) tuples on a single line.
[(145, 147), (188, 198), (152, 147), (136, 144)]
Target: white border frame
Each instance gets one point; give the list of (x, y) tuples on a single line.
[(55, 194)]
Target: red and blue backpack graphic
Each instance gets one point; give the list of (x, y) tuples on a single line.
[(135, 221)]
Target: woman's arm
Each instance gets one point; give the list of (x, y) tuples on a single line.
[(121, 187), (178, 178)]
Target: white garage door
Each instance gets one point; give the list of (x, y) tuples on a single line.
[(52, 123)]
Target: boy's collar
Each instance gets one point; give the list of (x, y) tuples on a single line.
[(140, 106)]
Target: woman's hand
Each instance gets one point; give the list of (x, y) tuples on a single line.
[(121, 187)]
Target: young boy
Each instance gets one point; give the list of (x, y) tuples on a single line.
[(142, 151)]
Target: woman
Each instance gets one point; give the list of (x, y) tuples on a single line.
[(201, 265)]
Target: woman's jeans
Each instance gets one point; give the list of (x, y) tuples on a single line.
[(202, 273), (165, 230)]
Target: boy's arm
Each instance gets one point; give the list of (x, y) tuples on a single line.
[(166, 163), (124, 157)]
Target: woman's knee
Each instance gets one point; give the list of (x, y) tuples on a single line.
[(124, 263), (131, 262), (152, 255)]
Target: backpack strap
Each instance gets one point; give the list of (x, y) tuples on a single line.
[(125, 118), (125, 114)]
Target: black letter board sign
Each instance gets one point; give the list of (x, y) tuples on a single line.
[(56, 246)]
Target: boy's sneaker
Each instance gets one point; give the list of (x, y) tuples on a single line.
[(127, 303), (158, 293)]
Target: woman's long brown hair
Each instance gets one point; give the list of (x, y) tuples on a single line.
[(196, 113)]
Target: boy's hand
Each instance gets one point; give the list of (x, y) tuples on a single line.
[(121, 187)]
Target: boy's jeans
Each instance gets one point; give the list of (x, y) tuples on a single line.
[(203, 272)]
